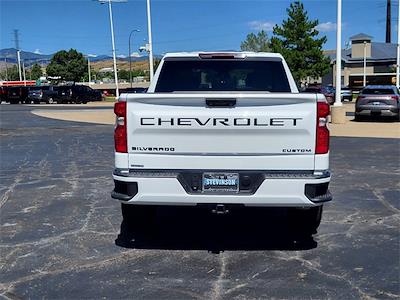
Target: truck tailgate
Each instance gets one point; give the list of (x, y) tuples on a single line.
[(190, 131)]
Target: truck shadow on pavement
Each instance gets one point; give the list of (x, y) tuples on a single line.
[(196, 229)]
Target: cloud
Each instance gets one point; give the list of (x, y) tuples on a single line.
[(261, 25), (37, 51), (121, 56), (326, 27)]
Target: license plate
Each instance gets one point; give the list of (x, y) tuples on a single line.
[(376, 103), (221, 182)]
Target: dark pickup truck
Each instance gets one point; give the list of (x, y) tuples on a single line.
[(77, 94), (16, 94), (48, 94)]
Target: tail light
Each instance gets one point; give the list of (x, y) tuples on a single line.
[(322, 134), (120, 139), (395, 98)]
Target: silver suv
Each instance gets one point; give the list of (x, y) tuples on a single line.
[(378, 100)]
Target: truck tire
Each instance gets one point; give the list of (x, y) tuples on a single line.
[(137, 222), (138, 215), (306, 220)]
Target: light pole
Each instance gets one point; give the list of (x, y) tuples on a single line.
[(365, 65), (23, 69), (113, 42), (398, 48), (19, 64), (130, 55), (89, 70), (5, 62), (338, 97), (338, 114), (150, 41), (88, 65)]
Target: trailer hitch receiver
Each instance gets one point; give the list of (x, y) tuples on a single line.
[(220, 209)]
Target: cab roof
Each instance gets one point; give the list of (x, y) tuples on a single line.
[(216, 54)]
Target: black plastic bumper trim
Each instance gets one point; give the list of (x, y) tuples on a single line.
[(124, 191), (318, 193)]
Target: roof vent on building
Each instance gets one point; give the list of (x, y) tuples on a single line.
[(361, 37)]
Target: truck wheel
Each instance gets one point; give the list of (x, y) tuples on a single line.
[(138, 215), (138, 222), (50, 101), (306, 220)]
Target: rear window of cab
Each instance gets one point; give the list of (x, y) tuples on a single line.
[(222, 75)]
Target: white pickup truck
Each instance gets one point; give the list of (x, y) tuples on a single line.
[(223, 130)]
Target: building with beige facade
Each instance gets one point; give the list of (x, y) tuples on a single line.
[(374, 61)]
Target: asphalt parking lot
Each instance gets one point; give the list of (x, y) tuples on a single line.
[(59, 226)]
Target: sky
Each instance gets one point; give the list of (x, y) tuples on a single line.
[(178, 25)]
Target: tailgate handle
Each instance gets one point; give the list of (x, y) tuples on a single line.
[(221, 102)]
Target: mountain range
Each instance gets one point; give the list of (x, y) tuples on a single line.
[(29, 58)]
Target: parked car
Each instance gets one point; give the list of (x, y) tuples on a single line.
[(327, 91), (17, 94), (346, 94), (3, 94), (48, 94), (77, 94), (378, 100)]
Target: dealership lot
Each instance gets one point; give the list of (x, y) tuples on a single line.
[(58, 227)]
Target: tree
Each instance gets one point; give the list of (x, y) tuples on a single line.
[(36, 72), (256, 43), (297, 40), (70, 65), (123, 74), (11, 73)]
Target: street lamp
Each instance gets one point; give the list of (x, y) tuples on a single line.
[(365, 65), (338, 115), (338, 98), (23, 70), (130, 55), (19, 64), (150, 41), (5, 63), (112, 40)]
